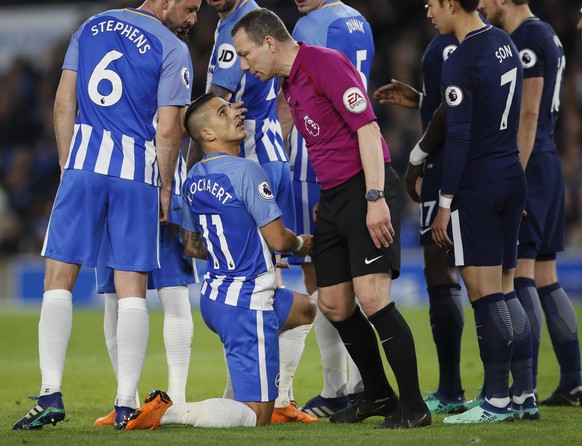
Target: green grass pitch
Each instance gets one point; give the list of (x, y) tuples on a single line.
[(89, 389)]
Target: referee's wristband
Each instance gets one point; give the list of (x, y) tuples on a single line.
[(445, 202), (299, 245), (417, 155)]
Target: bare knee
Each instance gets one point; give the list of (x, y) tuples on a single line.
[(60, 275), (337, 302), (307, 308), (303, 311)]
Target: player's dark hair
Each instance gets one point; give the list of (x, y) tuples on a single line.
[(261, 23), (194, 106), (467, 5)]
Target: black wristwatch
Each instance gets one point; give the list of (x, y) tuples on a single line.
[(374, 194)]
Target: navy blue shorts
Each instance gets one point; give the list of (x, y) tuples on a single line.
[(429, 195), (485, 223), (342, 245), (306, 194), (541, 233)]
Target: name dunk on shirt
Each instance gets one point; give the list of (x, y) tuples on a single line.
[(503, 52), (130, 32), (212, 187)]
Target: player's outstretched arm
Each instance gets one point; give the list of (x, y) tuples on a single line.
[(398, 93), (281, 239)]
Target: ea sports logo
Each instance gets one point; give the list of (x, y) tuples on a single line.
[(453, 95), (265, 191), (355, 100)]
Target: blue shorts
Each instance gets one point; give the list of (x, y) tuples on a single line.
[(541, 234), (485, 222), (176, 269), (279, 174), (251, 344), (282, 304), (90, 207), (306, 195), (429, 195)]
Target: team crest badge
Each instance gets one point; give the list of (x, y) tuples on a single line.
[(453, 95), (354, 100), (528, 58), (185, 75), (311, 126), (265, 191)]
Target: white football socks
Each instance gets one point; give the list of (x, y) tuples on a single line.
[(132, 341), (333, 356), (54, 330), (291, 345), (178, 332), (215, 412), (110, 330)]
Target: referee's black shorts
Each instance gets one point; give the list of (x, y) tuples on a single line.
[(343, 247)]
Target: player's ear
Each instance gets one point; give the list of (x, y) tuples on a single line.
[(207, 135), (165, 4), (270, 42)]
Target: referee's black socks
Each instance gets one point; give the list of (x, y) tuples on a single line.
[(360, 340), (398, 344)]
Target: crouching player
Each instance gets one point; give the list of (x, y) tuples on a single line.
[(231, 219)]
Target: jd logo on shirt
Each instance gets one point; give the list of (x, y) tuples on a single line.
[(226, 55)]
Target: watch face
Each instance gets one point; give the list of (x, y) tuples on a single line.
[(372, 195)]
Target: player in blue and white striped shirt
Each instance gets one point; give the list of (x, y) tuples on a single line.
[(264, 140), (125, 79), (229, 204)]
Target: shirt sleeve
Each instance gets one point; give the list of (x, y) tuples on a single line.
[(458, 96), (188, 222), (345, 90), (225, 63), (72, 56), (176, 79), (256, 194), (531, 53)]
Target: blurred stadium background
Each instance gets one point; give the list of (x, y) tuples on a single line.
[(33, 39)]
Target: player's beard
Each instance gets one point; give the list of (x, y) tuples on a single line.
[(179, 30), (225, 7)]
